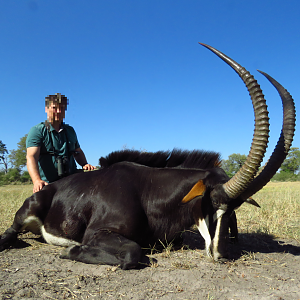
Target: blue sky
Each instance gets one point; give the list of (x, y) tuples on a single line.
[(136, 76)]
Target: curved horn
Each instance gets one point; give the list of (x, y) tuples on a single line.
[(283, 145), (239, 182)]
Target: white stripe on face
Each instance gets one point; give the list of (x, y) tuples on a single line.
[(203, 225), (217, 255), (219, 213)]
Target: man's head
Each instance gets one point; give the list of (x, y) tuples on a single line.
[(55, 107)]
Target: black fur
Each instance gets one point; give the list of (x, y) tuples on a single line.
[(126, 205), (177, 158)]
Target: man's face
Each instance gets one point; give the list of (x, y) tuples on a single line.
[(55, 112)]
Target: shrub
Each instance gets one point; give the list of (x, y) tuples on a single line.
[(285, 176), (25, 177), (14, 176)]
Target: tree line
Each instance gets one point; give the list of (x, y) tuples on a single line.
[(289, 170), (12, 164)]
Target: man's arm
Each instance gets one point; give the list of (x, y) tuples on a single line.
[(81, 160), (33, 154)]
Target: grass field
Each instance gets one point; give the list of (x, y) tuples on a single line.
[(279, 214), (11, 199)]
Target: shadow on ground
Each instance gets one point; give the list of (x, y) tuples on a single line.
[(191, 239), (248, 242)]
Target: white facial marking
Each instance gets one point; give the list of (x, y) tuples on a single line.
[(57, 240), (216, 239), (203, 225), (219, 213)]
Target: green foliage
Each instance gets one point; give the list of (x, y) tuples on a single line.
[(3, 149), (18, 157), (292, 161), (25, 177), (233, 163), (285, 176), (289, 170), (14, 175), (11, 176), (3, 155)]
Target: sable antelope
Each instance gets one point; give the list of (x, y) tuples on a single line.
[(106, 216)]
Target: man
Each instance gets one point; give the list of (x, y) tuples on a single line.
[(52, 146)]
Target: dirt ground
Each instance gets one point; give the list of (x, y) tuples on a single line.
[(262, 268)]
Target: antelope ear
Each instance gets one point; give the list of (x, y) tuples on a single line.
[(197, 190), (250, 200)]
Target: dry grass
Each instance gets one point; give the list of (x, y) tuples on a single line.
[(279, 214), (11, 199)]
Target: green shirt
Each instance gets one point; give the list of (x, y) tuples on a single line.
[(39, 136)]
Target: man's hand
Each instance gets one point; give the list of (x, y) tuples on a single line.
[(38, 185), (88, 167), (81, 160)]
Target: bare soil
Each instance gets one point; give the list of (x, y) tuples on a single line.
[(262, 268)]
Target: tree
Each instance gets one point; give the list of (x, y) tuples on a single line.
[(3, 156), (12, 175), (292, 162), (233, 163), (18, 157)]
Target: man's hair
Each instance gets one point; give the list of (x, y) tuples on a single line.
[(57, 98)]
